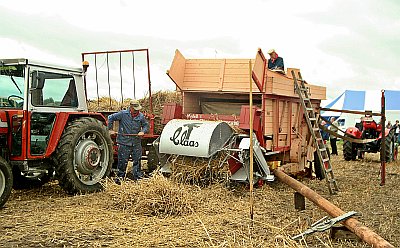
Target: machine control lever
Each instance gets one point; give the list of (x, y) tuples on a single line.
[(324, 224)]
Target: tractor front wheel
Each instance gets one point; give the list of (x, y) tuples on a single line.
[(6, 181), (84, 156), (349, 152)]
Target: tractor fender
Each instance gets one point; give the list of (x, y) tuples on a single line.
[(387, 131), (353, 131), (62, 119)]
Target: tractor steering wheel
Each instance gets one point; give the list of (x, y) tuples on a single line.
[(12, 103)]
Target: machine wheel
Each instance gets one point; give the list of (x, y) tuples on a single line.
[(6, 181), (396, 151), (349, 152), (152, 159), (389, 147), (319, 173), (84, 156)]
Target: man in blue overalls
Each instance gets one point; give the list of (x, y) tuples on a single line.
[(132, 126)]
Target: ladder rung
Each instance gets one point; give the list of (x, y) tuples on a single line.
[(315, 129), (325, 160), (328, 170), (306, 99), (322, 149), (309, 109), (313, 119)]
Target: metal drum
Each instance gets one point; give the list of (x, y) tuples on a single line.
[(194, 138)]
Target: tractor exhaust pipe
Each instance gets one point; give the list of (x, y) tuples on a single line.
[(352, 224)]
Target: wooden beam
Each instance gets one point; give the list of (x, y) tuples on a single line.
[(350, 111)]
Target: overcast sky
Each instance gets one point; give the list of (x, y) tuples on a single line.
[(339, 44)]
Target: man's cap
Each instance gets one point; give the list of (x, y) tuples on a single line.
[(271, 51), (135, 105)]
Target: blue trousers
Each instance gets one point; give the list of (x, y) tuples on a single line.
[(135, 152)]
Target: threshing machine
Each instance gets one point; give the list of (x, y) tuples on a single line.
[(216, 93)]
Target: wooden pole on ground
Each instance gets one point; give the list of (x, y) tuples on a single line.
[(352, 224)]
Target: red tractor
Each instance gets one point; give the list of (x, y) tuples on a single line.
[(369, 129), (46, 129)]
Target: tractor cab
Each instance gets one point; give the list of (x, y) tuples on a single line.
[(31, 95)]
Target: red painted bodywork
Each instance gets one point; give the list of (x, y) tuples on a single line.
[(354, 132), (171, 111), (369, 125), (4, 119), (20, 119)]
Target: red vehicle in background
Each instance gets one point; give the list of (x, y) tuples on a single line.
[(369, 129)]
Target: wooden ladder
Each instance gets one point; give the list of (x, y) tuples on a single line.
[(312, 122)]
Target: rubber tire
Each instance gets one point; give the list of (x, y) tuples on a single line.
[(152, 159), (319, 173), (396, 151), (22, 182), (5, 170), (349, 152), (64, 155), (389, 146)]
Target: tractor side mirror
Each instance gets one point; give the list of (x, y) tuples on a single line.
[(37, 80)]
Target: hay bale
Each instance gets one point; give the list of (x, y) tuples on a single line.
[(160, 98), (156, 196)]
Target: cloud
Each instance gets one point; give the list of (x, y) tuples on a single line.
[(60, 42), (369, 44), (337, 44)]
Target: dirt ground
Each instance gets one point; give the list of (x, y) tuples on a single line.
[(160, 213)]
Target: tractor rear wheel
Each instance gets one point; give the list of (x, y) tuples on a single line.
[(349, 152), (84, 156), (6, 181), (389, 147)]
